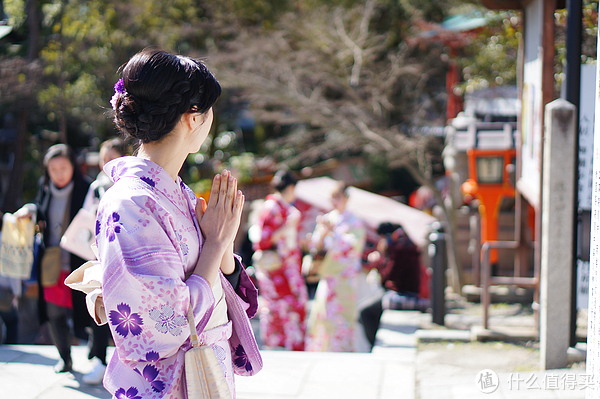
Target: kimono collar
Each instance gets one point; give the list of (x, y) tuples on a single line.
[(153, 176)]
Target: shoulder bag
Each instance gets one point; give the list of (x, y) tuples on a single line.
[(267, 260), (16, 253), (80, 235), (52, 258), (204, 377)]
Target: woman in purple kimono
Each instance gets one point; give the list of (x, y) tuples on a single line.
[(162, 250)]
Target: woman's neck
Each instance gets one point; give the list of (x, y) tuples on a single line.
[(280, 197), (169, 153), (62, 191)]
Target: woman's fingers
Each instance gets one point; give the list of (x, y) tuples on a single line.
[(225, 201), (238, 205), (227, 191), (223, 188), (222, 222), (214, 192), (231, 193), (200, 207)]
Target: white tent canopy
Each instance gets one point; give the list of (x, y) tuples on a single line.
[(370, 207)]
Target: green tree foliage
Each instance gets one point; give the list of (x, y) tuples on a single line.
[(60, 63), (489, 57), (589, 38), (83, 43)]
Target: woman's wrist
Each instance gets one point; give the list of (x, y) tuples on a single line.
[(215, 245), (210, 260), (228, 261)]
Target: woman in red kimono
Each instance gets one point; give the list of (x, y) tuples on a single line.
[(278, 261)]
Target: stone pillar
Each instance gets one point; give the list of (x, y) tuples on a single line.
[(557, 233)]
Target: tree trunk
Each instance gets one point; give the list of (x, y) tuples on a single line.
[(34, 29), (63, 128), (13, 197)]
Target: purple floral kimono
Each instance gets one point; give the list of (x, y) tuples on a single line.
[(148, 244)]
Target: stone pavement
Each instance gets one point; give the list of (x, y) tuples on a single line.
[(399, 367)]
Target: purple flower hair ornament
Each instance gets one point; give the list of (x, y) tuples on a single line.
[(119, 89)]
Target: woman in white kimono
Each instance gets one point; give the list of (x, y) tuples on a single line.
[(162, 250), (333, 315)]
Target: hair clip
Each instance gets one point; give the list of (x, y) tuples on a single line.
[(119, 88)]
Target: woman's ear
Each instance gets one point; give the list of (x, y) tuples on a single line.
[(192, 119), (188, 120)]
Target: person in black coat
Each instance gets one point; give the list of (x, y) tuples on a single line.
[(61, 193), (397, 260)]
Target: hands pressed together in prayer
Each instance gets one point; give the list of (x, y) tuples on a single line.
[(219, 222)]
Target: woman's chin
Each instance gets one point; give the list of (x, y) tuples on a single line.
[(61, 185)]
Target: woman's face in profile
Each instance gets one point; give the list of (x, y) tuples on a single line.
[(60, 171), (202, 130), (289, 194), (339, 202)]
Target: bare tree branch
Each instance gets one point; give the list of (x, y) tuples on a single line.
[(356, 47)]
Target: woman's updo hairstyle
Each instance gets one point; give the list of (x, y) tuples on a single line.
[(282, 180), (387, 228), (158, 88)]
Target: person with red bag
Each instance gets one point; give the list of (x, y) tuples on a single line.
[(61, 193)]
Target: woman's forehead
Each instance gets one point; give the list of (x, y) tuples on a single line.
[(58, 160)]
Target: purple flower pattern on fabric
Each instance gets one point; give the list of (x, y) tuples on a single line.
[(184, 247), (240, 358), (150, 374), (125, 321), (98, 227), (154, 173), (152, 356), (132, 393), (182, 186), (151, 205), (117, 171), (149, 181), (167, 321), (113, 226)]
